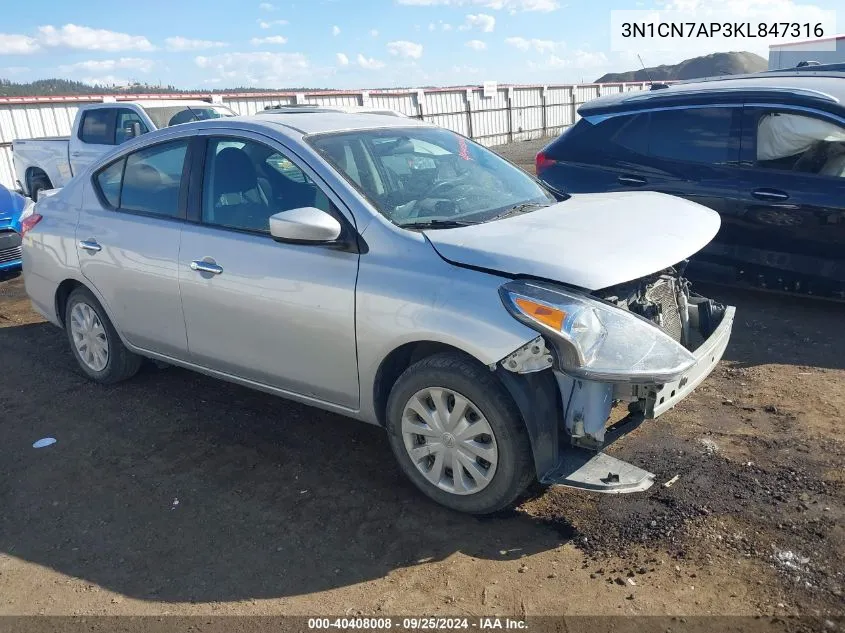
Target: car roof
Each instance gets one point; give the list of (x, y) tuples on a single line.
[(320, 122), (823, 87)]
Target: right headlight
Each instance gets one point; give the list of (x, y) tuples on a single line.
[(596, 340)]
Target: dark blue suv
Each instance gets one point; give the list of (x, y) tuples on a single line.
[(767, 151)]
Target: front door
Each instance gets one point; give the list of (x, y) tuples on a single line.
[(277, 314), (128, 244)]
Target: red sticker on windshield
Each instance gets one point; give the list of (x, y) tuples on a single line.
[(463, 149)]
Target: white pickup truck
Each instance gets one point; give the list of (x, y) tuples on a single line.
[(48, 163)]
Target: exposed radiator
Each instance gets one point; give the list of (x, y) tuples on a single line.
[(664, 293)]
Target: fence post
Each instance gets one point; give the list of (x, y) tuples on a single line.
[(468, 97), (543, 92), (421, 105), (509, 110)]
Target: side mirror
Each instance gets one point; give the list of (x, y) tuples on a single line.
[(306, 224), (133, 130)]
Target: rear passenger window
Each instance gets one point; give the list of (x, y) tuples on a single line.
[(152, 177), (97, 127), (697, 135), (146, 181)]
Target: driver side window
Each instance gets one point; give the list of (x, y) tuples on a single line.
[(246, 182)]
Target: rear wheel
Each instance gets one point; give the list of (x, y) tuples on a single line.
[(94, 341), (38, 183), (458, 435)]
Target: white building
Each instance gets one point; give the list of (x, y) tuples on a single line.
[(791, 54)]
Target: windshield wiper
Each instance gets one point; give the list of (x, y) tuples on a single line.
[(435, 224), (519, 209)]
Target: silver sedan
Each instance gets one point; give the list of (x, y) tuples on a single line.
[(393, 272)]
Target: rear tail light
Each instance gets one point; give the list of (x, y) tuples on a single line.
[(28, 222), (543, 162)]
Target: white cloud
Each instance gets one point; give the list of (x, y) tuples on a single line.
[(476, 45), (266, 6), (514, 6), (14, 70), (369, 63), (335, 30), (342, 59), (576, 59), (17, 44), (485, 23), (273, 39), (268, 24), (86, 38), (374, 32), (403, 48), (109, 65), (541, 46), (259, 69), (181, 44)]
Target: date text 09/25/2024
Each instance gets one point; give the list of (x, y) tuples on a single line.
[(418, 623)]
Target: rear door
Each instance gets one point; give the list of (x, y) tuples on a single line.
[(128, 241), (93, 138), (790, 234)]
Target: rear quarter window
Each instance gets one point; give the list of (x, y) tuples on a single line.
[(617, 135)]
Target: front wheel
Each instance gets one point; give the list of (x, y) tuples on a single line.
[(458, 436)]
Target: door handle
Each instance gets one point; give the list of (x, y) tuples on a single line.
[(206, 267), (770, 194), (632, 181), (90, 245), (76, 154)]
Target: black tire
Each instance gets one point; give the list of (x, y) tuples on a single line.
[(515, 468), (37, 184), (121, 364)]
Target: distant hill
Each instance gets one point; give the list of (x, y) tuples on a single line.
[(46, 87), (695, 68)]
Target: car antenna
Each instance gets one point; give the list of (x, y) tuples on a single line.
[(652, 84)]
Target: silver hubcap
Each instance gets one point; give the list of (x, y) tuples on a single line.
[(449, 440), (89, 337)]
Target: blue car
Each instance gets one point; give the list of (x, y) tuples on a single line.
[(11, 207)]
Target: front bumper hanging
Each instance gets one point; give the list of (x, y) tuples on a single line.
[(587, 405)]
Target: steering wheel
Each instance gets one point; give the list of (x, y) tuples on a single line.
[(444, 185)]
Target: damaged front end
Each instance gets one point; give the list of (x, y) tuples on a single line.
[(647, 343)]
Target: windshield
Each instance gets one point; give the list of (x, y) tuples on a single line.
[(174, 115), (430, 176)]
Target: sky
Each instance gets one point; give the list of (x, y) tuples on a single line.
[(346, 43)]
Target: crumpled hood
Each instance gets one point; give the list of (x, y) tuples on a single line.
[(591, 240)]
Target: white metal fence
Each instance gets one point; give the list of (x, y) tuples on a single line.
[(510, 113)]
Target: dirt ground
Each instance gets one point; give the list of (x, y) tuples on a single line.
[(175, 493)]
